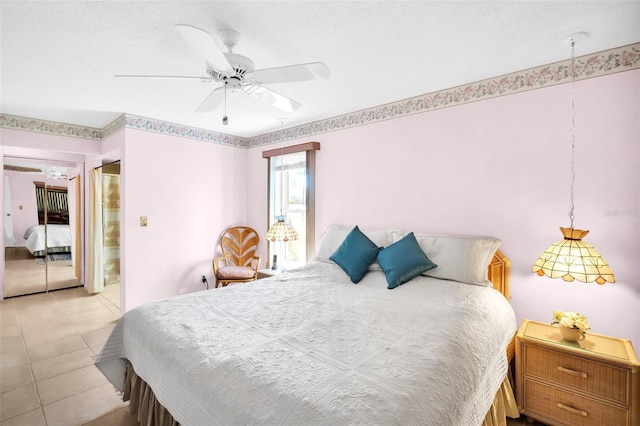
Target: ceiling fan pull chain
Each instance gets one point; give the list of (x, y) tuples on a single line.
[(225, 119)]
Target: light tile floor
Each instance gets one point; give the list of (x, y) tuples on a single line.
[(48, 342)]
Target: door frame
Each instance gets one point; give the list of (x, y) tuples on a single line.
[(79, 187)]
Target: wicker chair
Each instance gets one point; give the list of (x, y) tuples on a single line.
[(239, 262)]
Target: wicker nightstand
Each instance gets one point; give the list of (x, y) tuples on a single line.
[(266, 273), (595, 381)]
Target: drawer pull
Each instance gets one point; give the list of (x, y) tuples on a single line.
[(573, 372), (572, 410)]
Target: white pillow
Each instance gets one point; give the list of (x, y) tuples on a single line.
[(335, 234), (460, 258)]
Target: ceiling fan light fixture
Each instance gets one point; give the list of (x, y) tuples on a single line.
[(240, 64), (238, 72)]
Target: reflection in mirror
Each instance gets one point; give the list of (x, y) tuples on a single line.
[(42, 225)]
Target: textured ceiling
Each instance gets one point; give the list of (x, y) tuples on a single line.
[(59, 58)]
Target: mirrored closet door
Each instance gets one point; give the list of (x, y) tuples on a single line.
[(43, 224)]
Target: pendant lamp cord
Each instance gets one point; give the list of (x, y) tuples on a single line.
[(281, 161), (573, 131), (225, 98)]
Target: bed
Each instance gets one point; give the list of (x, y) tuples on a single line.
[(58, 239), (309, 346)]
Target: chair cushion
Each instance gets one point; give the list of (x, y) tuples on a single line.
[(236, 273)]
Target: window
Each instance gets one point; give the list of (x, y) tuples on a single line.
[(291, 194)]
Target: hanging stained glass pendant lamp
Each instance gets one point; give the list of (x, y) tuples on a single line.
[(571, 258)]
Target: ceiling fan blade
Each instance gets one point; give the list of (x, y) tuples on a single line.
[(205, 46), (166, 77), (301, 72), (212, 101), (272, 98)]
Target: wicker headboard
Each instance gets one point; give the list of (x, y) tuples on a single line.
[(499, 270)]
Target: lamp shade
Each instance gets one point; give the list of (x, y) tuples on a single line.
[(281, 231), (573, 259)]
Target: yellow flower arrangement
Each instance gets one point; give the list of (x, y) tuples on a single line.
[(571, 320)]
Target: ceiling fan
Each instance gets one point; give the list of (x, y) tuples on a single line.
[(237, 73), (51, 172)]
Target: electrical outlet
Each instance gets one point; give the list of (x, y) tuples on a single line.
[(143, 221), (205, 282)]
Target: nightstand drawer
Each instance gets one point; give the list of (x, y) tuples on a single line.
[(570, 408), (598, 379)]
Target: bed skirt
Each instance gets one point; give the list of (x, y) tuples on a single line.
[(144, 404), (504, 405), (51, 250), (150, 412)]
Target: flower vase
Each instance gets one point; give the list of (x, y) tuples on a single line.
[(571, 334)]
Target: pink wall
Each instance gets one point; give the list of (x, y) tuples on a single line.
[(23, 193), (499, 167), (191, 191)]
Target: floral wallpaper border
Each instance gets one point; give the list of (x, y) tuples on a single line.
[(50, 127), (174, 129), (114, 127), (610, 61)]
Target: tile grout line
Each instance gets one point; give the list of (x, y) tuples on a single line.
[(29, 363), (75, 325), (61, 306)]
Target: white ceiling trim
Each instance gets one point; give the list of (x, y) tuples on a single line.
[(610, 61)]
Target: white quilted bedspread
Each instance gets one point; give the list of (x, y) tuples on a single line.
[(311, 348), (57, 236)]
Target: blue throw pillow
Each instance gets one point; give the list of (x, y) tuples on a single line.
[(403, 261), (355, 254)]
